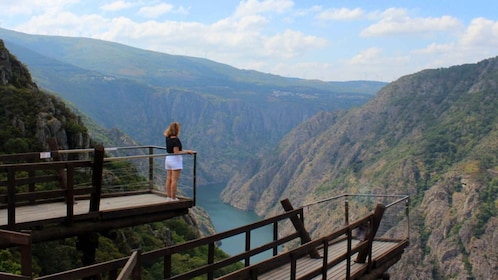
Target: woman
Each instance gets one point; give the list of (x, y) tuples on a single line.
[(174, 162)]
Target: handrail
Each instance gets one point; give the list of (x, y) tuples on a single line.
[(213, 239), (389, 200), (24, 241), (64, 173), (130, 266), (291, 256)]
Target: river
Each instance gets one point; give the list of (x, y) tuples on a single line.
[(226, 217)]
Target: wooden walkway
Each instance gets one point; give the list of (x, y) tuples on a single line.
[(49, 221), (306, 264), (108, 206)]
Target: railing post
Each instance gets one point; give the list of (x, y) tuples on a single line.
[(167, 266), (211, 259), (325, 261), (98, 166), (194, 178), (248, 247), (151, 168), (11, 197), (349, 235), (346, 211), (26, 259), (407, 213), (70, 194), (275, 237)]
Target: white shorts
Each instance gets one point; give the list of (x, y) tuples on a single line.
[(173, 162)]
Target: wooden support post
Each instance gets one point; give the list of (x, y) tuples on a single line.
[(299, 226), (194, 182), (151, 168), (26, 258), (372, 231), (11, 198), (87, 244), (98, 166)]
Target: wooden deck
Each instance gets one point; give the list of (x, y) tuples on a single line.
[(48, 221), (306, 264), (51, 211)]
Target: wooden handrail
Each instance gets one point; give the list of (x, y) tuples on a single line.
[(292, 255), (23, 240), (213, 239), (131, 267)]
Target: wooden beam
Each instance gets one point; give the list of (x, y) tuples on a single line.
[(372, 231), (299, 226), (98, 166)]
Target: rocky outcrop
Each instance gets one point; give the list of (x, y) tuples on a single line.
[(30, 116)]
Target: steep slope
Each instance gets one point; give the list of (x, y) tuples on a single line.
[(432, 135), (28, 117)]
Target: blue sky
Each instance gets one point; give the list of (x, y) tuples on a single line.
[(326, 40)]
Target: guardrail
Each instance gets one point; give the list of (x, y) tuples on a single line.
[(21, 175), (339, 210), (132, 265)]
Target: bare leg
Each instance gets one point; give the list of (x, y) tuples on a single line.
[(174, 182), (169, 179)]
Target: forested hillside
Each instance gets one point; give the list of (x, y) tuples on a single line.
[(432, 135)]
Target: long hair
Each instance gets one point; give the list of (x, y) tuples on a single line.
[(172, 130)]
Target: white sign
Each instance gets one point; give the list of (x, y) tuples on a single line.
[(45, 155)]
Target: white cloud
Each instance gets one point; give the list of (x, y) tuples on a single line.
[(116, 6), (397, 21), (478, 41), (65, 24), (30, 7), (155, 11), (251, 7), (481, 33), (341, 14), (305, 12), (291, 44)]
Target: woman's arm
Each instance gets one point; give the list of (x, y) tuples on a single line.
[(176, 150)]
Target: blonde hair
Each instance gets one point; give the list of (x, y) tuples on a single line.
[(172, 130)]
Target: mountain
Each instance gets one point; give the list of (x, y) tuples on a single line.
[(228, 115), (432, 135)]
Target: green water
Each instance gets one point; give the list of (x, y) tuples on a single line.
[(226, 217)]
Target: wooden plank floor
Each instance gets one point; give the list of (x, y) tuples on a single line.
[(58, 210), (307, 264)]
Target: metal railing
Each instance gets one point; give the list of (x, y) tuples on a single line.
[(339, 210), (22, 175)]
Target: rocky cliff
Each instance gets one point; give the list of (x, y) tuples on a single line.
[(431, 135), (29, 116)]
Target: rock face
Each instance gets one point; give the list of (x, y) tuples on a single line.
[(29, 116), (431, 135)]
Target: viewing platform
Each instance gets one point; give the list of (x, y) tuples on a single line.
[(89, 196), (366, 233)]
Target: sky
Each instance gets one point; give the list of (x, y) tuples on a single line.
[(329, 40)]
